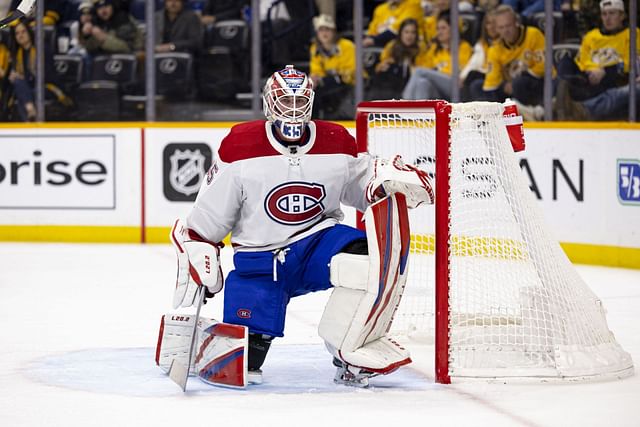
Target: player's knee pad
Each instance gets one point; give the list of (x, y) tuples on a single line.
[(367, 290), (348, 330), (352, 291), (352, 296)]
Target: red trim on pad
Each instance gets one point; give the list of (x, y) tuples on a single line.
[(159, 344)]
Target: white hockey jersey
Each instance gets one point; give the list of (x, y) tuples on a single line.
[(268, 195)]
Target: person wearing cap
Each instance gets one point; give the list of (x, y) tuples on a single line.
[(85, 15), (607, 46), (602, 64), (85, 7), (178, 28), (603, 59), (113, 31), (332, 70)]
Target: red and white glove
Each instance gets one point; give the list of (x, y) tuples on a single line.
[(198, 265), (397, 177)]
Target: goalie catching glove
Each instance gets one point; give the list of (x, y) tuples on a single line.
[(395, 176), (198, 265)]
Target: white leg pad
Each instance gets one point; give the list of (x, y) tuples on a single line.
[(223, 354), (381, 356), (174, 339), (220, 350), (367, 291)]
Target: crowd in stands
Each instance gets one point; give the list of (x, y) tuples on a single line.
[(94, 54)]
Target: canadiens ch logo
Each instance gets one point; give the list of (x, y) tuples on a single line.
[(243, 313), (295, 203)]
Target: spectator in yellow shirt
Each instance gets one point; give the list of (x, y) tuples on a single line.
[(599, 79), (332, 70), (22, 72), (5, 55), (603, 59), (515, 65), (4, 82), (432, 77), (387, 17), (397, 61)]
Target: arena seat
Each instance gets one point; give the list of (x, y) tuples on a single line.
[(538, 19), (174, 74), (98, 100), (216, 76), (119, 67), (68, 70)]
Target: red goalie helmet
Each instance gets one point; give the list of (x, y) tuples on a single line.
[(288, 100)]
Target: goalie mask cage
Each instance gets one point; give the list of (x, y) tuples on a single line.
[(505, 300)]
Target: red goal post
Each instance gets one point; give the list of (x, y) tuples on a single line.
[(507, 302), (441, 111)]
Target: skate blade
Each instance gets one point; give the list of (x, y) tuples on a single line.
[(254, 377), (361, 383), (345, 377)]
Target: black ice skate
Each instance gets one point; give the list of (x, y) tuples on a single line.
[(351, 375)]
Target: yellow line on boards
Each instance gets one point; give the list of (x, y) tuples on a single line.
[(69, 233), (157, 234), (610, 256), (161, 235), (580, 253)]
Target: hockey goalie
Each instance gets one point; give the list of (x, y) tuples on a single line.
[(277, 187)]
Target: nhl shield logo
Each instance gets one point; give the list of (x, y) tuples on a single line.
[(185, 166), (187, 171)]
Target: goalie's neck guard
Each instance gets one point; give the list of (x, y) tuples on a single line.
[(291, 148)]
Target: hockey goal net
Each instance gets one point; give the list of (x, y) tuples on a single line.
[(498, 295)]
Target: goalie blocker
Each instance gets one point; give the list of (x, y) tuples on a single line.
[(367, 291)]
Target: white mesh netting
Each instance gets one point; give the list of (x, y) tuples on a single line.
[(517, 306)]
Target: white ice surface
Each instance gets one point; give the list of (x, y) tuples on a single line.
[(78, 327)]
